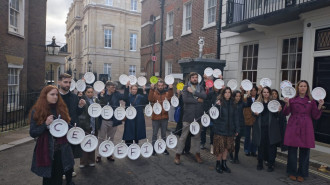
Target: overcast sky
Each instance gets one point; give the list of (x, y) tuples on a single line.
[(57, 11)]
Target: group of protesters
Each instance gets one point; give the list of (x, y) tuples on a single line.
[(53, 158)]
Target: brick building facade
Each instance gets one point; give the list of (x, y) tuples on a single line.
[(182, 44)]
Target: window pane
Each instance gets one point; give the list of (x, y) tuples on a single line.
[(292, 76), (298, 66), (255, 50), (293, 45), (244, 75), (284, 62), (292, 61), (298, 75), (300, 43), (254, 76), (245, 51), (250, 75), (250, 51), (244, 64), (285, 46), (249, 64), (284, 75), (255, 64)]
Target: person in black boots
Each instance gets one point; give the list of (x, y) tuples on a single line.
[(226, 127), (266, 131)]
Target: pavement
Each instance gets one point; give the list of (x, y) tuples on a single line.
[(18, 145)]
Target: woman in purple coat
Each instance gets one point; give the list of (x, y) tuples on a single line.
[(299, 131)]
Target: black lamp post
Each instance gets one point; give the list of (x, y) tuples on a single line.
[(89, 66), (74, 73), (52, 49)]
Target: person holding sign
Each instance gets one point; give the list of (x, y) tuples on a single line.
[(193, 96), (135, 129), (89, 125), (226, 127), (158, 93), (52, 157), (299, 131), (266, 131), (108, 127)]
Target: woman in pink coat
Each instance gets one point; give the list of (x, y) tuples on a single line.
[(299, 131)]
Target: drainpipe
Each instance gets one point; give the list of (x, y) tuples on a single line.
[(219, 31), (162, 2)]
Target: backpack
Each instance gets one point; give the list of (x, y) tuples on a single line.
[(177, 114)]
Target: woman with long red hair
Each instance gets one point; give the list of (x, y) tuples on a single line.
[(52, 156)]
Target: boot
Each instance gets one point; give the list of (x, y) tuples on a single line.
[(198, 158), (177, 159), (225, 167), (218, 167), (260, 165)]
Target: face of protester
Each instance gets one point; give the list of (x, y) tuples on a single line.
[(265, 94), (160, 86), (89, 92), (194, 79), (134, 90), (274, 94), (65, 84), (111, 88), (227, 94), (253, 92), (237, 97), (52, 96), (302, 88)]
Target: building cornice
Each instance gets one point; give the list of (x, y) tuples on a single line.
[(104, 7)]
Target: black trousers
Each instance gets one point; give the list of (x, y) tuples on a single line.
[(291, 167), (266, 151), (57, 171), (237, 144)]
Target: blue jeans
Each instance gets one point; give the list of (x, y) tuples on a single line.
[(248, 145), (203, 134), (291, 167)]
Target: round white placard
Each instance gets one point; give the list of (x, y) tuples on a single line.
[(132, 79), (130, 112), (81, 85), (257, 107), (89, 143), (94, 110), (146, 150), (199, 78), (58, 128), (134, 151), (265, 82), (159, 146), (106, 148), (169, 79), (285, 83), (166, 105), (194, 128), (171, 141), (119, 113), (89, 77), (273, 106), (107, 112), (246, 85), (232, 84), (120, 151), (214, 112), (75, 135), (123, 79), (218, 83), (175, 101), (208, 71), (148, 110), (73, 85), (98, 86), (157, 108), (217, 73), (142, 81), (288, 92), (205, 120), (319, 93)]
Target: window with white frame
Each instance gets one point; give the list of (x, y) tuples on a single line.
[(132, 42), (134, 5), (250, 62), (210, 12), (107, 38), (13, 86), (169, 30), (107, 70), (109, 2), (168, 68), (16, 17), (291, 59), (187, 8), (132, 70)]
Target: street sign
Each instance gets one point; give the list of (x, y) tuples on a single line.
[(154, 58)]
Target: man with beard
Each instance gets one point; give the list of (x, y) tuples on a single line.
[(193, 97), (159, 94)]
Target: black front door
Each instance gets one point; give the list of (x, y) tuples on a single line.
[(322, 79)]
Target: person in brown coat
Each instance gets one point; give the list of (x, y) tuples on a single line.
[(158, 93)]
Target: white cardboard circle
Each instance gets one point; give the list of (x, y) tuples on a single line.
[(205, 120), (75, 135), (199, 78), (266, 82), (89, 143), (166, 105), (285, 83), (257, 107), (208, 71), (157, 108), (107, 112), (169, 79), (94, 110), (148, 110), (171, 141), (81, 85), (216, 73), (273, 106), (120, 151), (142, 81), (146, 150), (159, 146), (130, 112), (232, 84), (134, 151), (174, 101), (288, 92), (119, 113), (194, 128), (218, 83), (247, 85), (106, 148), (123, 79), (73, 85), (132, 79), (58, 128), (98, 86), (319, 93), (89, 77), (214, 112)]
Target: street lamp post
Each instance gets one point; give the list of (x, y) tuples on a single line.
[(52, 49), (89, 66)]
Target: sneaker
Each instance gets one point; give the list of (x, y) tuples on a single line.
[(92, 165), (81, 166), (166, 152), (211, 149), (74, 174), (63, 177)]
